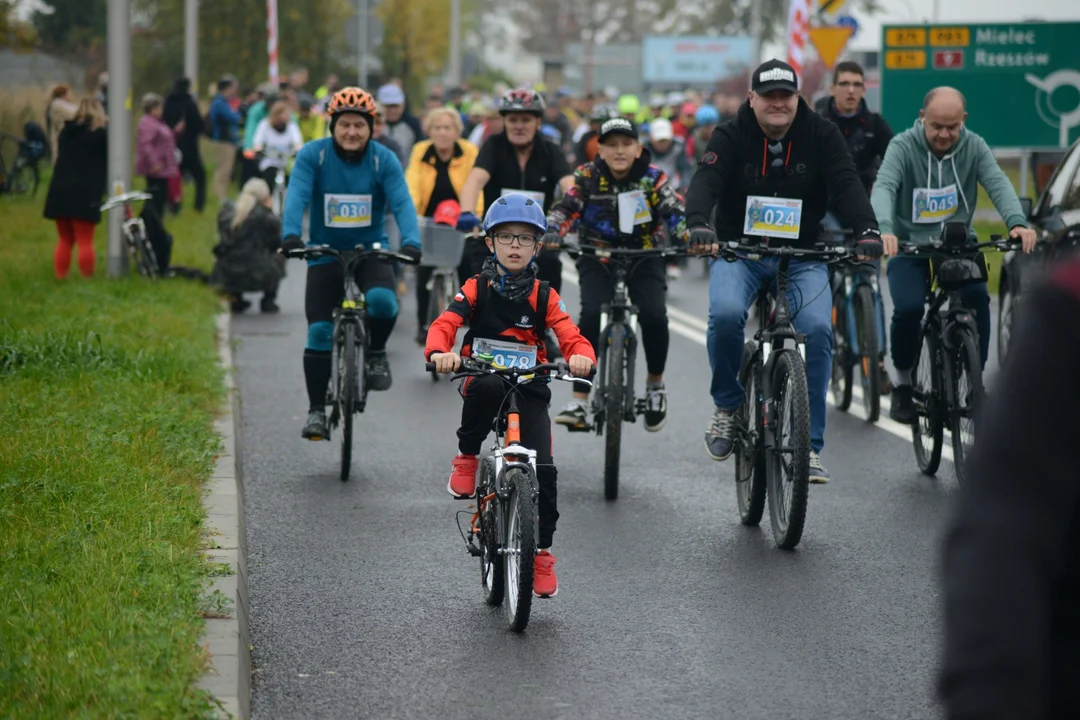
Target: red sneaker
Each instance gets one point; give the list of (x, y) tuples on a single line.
[(463, 478), (545, 584)]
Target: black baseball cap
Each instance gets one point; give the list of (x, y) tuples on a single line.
[(774, 75), (618, 126)]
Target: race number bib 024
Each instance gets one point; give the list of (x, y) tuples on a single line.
[(506, 354), (773, 217), (633, 210), (347, 211), (933, 205), (536, 196)]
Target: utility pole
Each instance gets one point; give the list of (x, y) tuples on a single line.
[(455, 43), (362, 42), (755, 32), (191, 44), (119, 53)]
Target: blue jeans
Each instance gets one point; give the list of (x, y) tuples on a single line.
[(909, 278), (732, 289)]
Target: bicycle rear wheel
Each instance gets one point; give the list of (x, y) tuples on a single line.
[(927, 434), (23, 180), (866, 319), (145, 259), (787, 463), (520, 549), (749, 452), (967, 379), (492, 569), (436, 306), (613, 409), (347, 394), (842, 374)]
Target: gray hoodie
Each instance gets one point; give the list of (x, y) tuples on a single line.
[(914, 183)]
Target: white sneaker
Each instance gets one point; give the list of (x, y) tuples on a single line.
[(818, 474)]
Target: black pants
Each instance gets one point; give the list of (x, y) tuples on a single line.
[(192, 165), (548, 264), (648, 291), (249, 168), (159, 188), (270, 176), (483, 397)]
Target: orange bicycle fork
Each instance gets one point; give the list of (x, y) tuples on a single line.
[(512, 437)]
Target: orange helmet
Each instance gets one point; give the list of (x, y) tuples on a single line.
[(352, 99)]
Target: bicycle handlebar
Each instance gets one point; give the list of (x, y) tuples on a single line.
[(823, 251), (118, 200), (602, 252), (319, 251), (938, 246), (471, 367)]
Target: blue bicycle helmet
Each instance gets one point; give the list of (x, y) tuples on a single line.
[(706, 115), (515, 207)]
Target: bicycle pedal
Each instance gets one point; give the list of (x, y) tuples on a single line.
[(473, 550)]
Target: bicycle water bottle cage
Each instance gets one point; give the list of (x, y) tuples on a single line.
[(955, 235)]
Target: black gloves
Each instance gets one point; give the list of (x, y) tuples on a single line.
[(292, 243), (869, 245), (702, 238), (551, 240)]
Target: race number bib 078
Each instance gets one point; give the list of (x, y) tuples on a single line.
[(347, 211), (773, 217), (933, 205), (506, 354)]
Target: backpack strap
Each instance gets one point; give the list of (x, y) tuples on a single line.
[(541, 309)]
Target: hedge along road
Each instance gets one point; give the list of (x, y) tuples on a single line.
[(365, 604)]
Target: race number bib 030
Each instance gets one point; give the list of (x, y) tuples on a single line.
[(773, 217), (506, 354), (536, 196), (347, 211), (633, 210), (933, 205)]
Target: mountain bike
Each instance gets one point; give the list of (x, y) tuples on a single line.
[(348, 389), (772, 429), (946, 381), (858, 319), (441, 247), (614, 402), (22, 177), (504, 527), (138, 241)]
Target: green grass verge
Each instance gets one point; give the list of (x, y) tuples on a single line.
[(108, 390)]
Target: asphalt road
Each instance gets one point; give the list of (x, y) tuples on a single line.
[(364, 603)]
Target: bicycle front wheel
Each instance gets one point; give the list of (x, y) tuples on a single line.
[(787, 462), (613, 409), (967, 379), (520, 549), (145, 258), (866, 319), (492, 569), (23, 180), (346, 393), (842, 374), (749, 454), (927, 434)]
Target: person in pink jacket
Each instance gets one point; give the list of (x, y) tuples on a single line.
[(155, 152)]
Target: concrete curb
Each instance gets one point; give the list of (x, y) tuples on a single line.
[(226, 637)]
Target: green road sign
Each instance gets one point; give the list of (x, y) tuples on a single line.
[(1021, 80)]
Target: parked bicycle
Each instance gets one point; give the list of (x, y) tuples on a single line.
[(22, 177), (946, 380), (442, 247), (348, 389), (138, 242), (614, 402), (772, 429), (858, 319)]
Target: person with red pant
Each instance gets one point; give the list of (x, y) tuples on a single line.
[(507, 305), (77, 186)]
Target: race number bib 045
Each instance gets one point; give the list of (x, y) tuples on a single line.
[(537, 196), (773, 217), (347, 211), (506, 354), (633, 210), (933, 205)]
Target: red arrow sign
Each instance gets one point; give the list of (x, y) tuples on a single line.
[(948, 59)]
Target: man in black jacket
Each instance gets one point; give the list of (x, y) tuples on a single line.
[(1011, 575), (775, 155), (180, 106)]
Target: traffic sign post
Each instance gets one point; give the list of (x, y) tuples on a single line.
[(1021, 80)]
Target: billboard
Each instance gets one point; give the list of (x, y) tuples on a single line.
[(694, 59)]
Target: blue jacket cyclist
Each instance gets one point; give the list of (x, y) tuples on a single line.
[(346, 183)]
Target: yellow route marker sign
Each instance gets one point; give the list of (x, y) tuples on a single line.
[(830, 42)]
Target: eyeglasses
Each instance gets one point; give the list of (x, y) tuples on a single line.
[(509, 238), (848, 84)]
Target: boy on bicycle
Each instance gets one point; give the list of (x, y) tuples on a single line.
[(507, 308), (621, 200)]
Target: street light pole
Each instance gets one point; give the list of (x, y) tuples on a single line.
[(362, 42), (119, 90), (455, 43), (755, 32), (191, 44)]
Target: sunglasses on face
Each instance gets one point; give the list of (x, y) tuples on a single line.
[(524, 241)]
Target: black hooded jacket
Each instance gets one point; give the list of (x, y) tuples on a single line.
[(867, 136), (180, 105), (813, 165)]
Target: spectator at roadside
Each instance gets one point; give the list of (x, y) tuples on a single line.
[(312, 124), (155, 151), (224, 131), (400, 125), (60, 109), (102, 94), (77, 186), (180, 106), (247, 257)]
